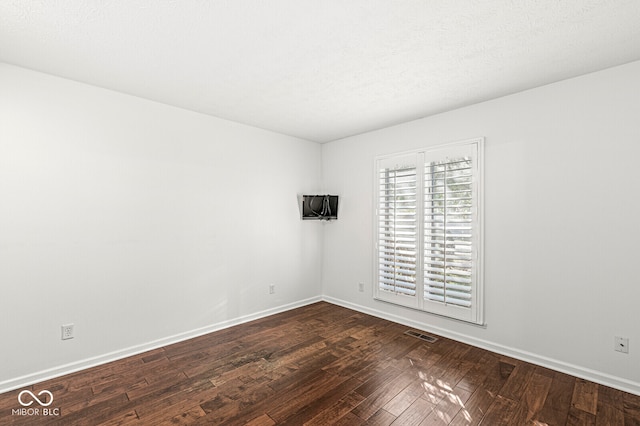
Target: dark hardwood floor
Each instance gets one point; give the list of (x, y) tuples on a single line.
[(322, 365)]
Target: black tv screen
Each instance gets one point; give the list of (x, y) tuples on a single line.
[(319, 207)]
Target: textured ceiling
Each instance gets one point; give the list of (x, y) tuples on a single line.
[(319, 70)]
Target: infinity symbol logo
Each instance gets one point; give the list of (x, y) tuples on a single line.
[(44, 404)]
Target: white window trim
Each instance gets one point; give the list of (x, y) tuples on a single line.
[(475, 314)]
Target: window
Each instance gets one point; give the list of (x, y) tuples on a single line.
[(429, 230)]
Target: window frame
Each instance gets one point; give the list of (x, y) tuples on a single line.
[(420, 157)]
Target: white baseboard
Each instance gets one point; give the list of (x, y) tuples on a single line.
[(574, 370), (30, 379)]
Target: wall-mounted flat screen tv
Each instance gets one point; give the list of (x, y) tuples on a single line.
[(319, 207)]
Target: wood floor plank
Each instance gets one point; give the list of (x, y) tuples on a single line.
[(405, 398), (609, 416), (585, 396), (158, 383), (482, 398), (532, 400), (185, 418), (518, 381), (220, 411), (234, 398), (379, 418), (500, 412), (631, 405), (578, 417), (376, 382), (350, 363), (610, 409), (558, 402), (349, 420), (337, 411), (456, 363), (414, 414), (305, 394), (434, 386), (154, 412), (116, 407), (263, 420), (383, 393), (479, 360), (323, 365), (302, 375), (423, 358), (126, 419), (448, 408), (329, 396)]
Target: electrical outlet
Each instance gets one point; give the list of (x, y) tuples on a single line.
[(272, 288), (361, 287), (67, 331), (622, 344)]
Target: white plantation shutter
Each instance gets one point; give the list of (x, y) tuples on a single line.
[(429, 231), (398, 230), (448, 231)]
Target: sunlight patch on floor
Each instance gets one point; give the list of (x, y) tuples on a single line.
[(435, 391)]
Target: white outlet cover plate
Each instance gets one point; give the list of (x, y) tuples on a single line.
[(622, 344), (67, 331)]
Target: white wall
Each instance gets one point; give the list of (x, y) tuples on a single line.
[(139, 223), (562, 232)]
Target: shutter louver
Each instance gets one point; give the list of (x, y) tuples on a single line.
[(448, 231), (397, 230)]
